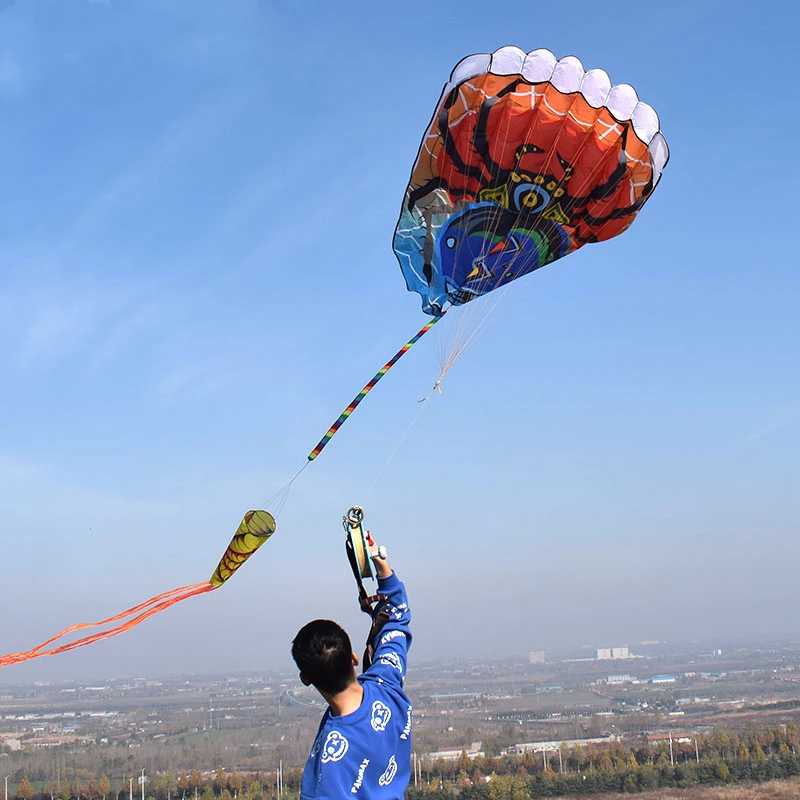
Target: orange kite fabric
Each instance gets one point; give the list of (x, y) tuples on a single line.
[(254, 530)]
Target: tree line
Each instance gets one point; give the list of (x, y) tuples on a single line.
[(718, 757)]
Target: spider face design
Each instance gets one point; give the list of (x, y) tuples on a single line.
[(506, 183), (484, 247)]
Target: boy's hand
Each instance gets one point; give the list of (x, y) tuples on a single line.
[(378, 555)]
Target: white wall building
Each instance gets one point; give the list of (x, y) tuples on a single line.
[(608, 653)]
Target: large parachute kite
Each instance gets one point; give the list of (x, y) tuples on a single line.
[(526, 159)]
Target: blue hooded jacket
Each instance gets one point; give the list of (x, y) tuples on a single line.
[(367, 753)]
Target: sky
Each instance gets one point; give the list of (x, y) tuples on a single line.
[(196, 277)]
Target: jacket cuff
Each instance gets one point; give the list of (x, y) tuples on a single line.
[(387, 584)]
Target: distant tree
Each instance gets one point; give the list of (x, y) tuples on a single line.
[(104, 786), (25, 790), (500, 787), (757, 753), (575, 757), (630, 782), (744, 753), (196, 780), (687, 774), (529, 761), (722, 742), (463, 764), (792, 736), (235, 783), (220, 780), (89, 790), (491, 745), (647, 777)]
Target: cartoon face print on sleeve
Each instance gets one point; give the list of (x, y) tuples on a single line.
[(335, 747), (389, 773), (381, 714), (392, 660)]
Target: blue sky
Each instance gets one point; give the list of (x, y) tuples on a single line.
[(196, 277)]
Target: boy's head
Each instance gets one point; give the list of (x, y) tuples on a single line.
[(324, 656)]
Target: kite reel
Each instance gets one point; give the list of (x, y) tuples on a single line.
[(357, 548), (356, 544)]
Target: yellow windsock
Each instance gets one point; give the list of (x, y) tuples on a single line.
[(254, 530)]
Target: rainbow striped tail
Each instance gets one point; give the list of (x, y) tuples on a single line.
[(368, 388)]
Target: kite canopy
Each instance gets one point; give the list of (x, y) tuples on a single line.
[(526, 159)]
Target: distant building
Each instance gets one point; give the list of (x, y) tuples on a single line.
[(10, 741), (473, 751), (681, 737), (607, 653), (613, 679), (545, 747), (537, 656), (663, 679)]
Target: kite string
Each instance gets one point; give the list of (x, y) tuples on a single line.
[(278, 500), (422, 404)]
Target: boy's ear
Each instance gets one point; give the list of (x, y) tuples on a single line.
[(355, 659), (305, 681)]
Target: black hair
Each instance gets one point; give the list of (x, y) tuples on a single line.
[(324, 655)]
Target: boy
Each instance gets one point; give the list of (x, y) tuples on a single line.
[(363, 745)]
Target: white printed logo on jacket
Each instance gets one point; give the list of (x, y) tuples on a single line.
[(391, 660), (388, 775), (381, 714), (335, 747)]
